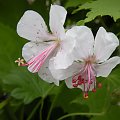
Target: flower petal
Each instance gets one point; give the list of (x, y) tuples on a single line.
[(32, 27), (105, 44), (68, 82), (57, 19), (105, 68), (84, 41), (31, 49), (65, 55), (46, 75), (62, 74)]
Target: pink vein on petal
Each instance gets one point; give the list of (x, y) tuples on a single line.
[(36, 62)]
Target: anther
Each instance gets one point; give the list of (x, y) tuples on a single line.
[(75, 85), (74, 80), (85, 95), (82, 80), (91, 82), (99, 85), (79, 77), (79, 83), (93, 90)]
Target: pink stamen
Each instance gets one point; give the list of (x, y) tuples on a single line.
[(35, 63), (85, 78)]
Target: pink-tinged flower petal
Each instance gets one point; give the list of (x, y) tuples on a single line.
[(105, 44), (35, 63), (32, 49), (85, 79), (104, 69), (57, 19), (69, 83), (84, 41), (45, 73), (32, 27), (62, 74)]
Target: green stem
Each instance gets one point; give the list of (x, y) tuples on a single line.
[(34, 110), (47, 92), (52, 105), (74, 114), (37, 106), (118, 34), (11, 114), (21, 113), (42, 103), (107, 103), (50, 110), (4, 103)]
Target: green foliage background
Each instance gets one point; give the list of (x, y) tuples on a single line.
[(24, 96)]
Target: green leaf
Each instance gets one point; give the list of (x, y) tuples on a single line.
[(96, 104), (75, 3), (81, 22), (18, 81), (3, 103), (67, 96), (10, 45), (11, 11), (101, 8), (25, 86), (114, 79), (112, 114), (99, 102)]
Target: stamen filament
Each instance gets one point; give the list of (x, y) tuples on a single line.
[(85, 78), (35, 63)]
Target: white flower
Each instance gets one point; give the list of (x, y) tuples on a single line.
[(44, 45), (92, 59)]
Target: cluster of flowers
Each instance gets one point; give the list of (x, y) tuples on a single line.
[(73, 55)]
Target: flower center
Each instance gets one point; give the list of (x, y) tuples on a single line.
[(86, 79), (35, 63)]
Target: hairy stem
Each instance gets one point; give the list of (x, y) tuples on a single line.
[(52, 105), (42, 103), (34, 110), (75, 114)]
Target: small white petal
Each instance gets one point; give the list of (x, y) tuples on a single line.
[(84, 41), (31, 49), (105, 44), (105, 68), (46, 75), (32, 27), (62, 74), (57, 19)]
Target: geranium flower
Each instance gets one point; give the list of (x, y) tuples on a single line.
[(92, 59), (44, 45)]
